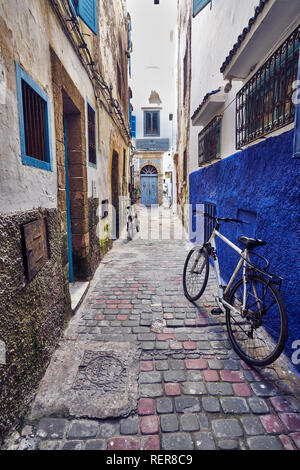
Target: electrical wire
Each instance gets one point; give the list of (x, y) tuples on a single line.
[(67, 16)]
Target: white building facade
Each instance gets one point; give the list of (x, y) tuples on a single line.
[(153, 105)]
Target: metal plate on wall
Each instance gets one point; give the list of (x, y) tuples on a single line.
[(36, 246)]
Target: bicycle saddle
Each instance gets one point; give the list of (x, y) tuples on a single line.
[(251, 242)]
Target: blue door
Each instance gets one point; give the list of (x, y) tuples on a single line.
[(149, 190)]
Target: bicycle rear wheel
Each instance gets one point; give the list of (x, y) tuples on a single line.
[(195, 273), (259, 333)]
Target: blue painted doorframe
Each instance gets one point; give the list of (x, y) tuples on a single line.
[(149, 190), (71, 276)]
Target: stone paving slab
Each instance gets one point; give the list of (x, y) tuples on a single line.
[(191, 391), (94, 380)]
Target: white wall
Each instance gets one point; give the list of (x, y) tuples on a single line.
[(154, 30), (214, 32)]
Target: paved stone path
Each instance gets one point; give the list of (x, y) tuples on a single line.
[(194, 392)]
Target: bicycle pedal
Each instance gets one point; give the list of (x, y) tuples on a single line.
[(216, 311)]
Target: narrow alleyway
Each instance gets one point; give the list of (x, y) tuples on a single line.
[(167, 376)]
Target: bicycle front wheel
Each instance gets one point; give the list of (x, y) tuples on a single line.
[(129, 230), (259, 332), (195, 273)]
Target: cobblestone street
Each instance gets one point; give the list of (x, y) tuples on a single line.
[(194, 393)]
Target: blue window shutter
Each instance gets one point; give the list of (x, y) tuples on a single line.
[(199, 5), (87, 10), (133, 127), (297, 117), (74, 6)]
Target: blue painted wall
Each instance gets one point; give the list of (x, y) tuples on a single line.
[(261, 184)]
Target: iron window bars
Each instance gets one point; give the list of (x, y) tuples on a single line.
[(210, 210), (34, 123), (34, 119), (209, 141), (265, 104), (92, 135)]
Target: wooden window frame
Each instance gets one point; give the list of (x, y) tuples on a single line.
[(151, 133)]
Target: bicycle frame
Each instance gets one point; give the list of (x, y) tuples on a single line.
[(242, 262)]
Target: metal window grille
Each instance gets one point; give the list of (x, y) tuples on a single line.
[(210, 209), (92, 135), (265, 104), (34, 113), (209, 141), (149, 170)]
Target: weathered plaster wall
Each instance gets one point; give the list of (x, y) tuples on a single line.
[(23, 25), (183, 97), (262, 179), (32, 314)]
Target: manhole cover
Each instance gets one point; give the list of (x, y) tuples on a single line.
[(94, 380), (100, 371)]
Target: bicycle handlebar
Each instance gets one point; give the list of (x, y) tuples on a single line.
[(222, 219)]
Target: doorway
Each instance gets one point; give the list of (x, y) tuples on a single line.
[(69, 229), (149, 185), (115, 191), (75, 218)]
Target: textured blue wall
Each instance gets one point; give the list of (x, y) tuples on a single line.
[(261, 184)]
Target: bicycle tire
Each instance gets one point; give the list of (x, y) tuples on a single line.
[(129, 230), (192, 296), (266, 332)]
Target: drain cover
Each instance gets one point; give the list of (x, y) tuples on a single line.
[(94, 380)]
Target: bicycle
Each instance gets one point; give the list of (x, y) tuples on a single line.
[(132, 219), (256, 318)]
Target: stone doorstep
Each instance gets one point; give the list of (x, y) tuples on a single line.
[(78, 291)]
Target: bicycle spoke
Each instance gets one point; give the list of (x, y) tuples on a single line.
[(195, 273), (256, 331)]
